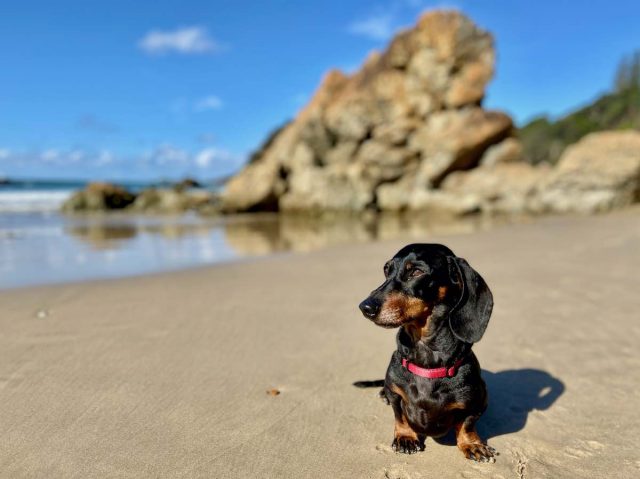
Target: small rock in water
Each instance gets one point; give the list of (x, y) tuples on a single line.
[(273, 392), (42, 314)]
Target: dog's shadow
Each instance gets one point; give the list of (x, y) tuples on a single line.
[(513, 394)]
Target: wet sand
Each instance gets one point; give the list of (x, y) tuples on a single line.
[(38, 248), (167, 375)]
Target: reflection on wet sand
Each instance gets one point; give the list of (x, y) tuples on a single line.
[(261, 234), (101, 236), (111, 233), (41, 249)]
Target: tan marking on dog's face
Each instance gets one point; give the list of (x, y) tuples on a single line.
[(442, 292), (455, 405), (418, 328), (399, 309)]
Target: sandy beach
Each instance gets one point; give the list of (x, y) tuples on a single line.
[(166, 375)]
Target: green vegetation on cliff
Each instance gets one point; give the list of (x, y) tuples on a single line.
[(544, 139)]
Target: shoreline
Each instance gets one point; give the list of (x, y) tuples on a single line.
[(57, 248), (167, 375), (504, 222)]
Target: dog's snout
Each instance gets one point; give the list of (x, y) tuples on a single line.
[(370, 307)]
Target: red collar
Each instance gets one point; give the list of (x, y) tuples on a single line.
[(435, 372)]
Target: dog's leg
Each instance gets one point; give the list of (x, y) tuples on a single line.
[(470, 443), (405, 439)]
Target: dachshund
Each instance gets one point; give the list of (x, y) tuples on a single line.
[(441, 306)]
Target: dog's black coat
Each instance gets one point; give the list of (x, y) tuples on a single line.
[(442, 306)]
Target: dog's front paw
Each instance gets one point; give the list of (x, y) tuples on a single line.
[(478, 452), (406, 445), (383, 396)]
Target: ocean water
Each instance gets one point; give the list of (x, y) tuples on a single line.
[(38, 245), (39, 196), (30, 196)]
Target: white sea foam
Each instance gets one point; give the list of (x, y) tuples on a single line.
[(32, 200)]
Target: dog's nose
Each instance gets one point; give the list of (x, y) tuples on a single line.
[(370, 308)]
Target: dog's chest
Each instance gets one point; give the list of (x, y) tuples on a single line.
[(428, 408)]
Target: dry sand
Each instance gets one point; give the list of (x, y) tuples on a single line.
[(166, 376)]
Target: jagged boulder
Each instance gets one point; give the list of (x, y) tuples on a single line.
[(98, 197), (387, 136), (599, 173), (187, 184), (501, 188), (508, 151), (175, 200)]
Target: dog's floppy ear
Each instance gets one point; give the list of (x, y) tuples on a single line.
[(470, 316)]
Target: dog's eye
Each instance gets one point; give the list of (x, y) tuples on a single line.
[(415, 273)]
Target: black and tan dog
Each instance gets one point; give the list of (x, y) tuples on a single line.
[(442, 306)]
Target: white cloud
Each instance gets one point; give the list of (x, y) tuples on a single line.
[(167, 154), (50, 155), (189, 40), (76, 156), (210, 102), (205, 157), (208, 156), (105, 157), (164, 160), (374, 27)]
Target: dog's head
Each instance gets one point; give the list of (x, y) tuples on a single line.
[(423, 278)]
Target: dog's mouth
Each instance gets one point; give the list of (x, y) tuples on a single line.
[(388, 324), (399, 309), (390, 318)]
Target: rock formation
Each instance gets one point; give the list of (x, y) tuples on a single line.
[(102, 197), (407, 132), (389, 135), (599, 173), (99, 197)]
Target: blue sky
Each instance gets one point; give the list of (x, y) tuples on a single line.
[(162, 89)]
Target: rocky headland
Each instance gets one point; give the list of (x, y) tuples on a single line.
[(407, 132)]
